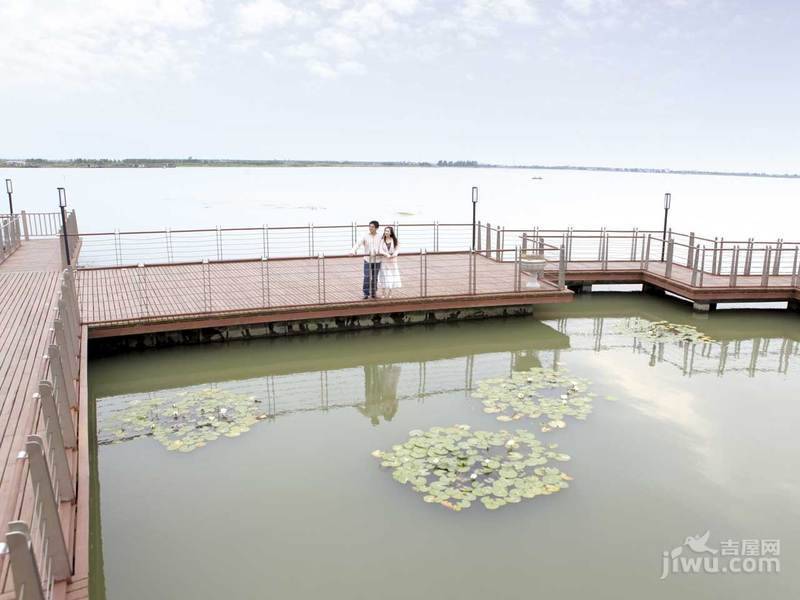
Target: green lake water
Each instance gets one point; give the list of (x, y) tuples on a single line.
[(683, 438)]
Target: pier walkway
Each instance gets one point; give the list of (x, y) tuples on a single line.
[(129, 283), (43, 481)]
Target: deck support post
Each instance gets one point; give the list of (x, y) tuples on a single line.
[(652, 290), (704, 307), (23, 562), (48, 507)]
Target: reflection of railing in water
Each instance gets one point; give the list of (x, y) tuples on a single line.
[(756, 355), (374, 389)]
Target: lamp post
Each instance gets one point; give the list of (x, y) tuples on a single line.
[(62, 203), (667, 203), (474, 209), (10, 190)]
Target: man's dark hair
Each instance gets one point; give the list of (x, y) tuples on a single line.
[(375, 223)]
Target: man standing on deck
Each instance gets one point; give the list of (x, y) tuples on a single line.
[(370, 246)]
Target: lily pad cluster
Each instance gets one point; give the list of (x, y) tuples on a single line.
[(455, 467), (184, 421), (538, 393), (664, 331)]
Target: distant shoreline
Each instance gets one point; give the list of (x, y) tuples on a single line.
[(143, 163)]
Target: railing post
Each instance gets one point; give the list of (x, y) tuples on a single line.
[(734, 266), (56, 408), (436, 231), (206, 266), (219, 242), (480, 237), (794, 267), (264, 282), (498, 246), (702, 266), (24, 569), (66, 342), (562, 268), (721, 255), (570, 239), (714, 259), (60, 376), (670, 251), (748, 257), (634, 239), (695, 252), (524, 242), (776, 270), (474, 275), (168, 243), (43, 490), (25, 230), (605, 253), (353, 234), (517, 269), (265, 241), (488, 240), (765, 269), (310, 240), (321, 278), (117, 247), (141, 280), (689, 257), (646, 258)]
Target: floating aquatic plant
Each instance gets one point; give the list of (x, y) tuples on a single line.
[(537, 393), (455, 467), (185, 421), (663, 331)]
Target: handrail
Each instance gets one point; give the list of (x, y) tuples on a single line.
[(37, 550)]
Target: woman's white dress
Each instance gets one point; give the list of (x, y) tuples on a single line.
[(389, 275)]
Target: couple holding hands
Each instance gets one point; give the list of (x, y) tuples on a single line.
[(380, 261)]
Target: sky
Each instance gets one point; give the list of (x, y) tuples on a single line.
[(697, 84)]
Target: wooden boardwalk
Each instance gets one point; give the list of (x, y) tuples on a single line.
[(28, 290), (135, 299)]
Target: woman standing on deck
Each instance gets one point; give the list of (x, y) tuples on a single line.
[(389, 277)]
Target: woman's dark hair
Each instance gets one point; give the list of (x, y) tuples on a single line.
[(391, 234), (375, 223)]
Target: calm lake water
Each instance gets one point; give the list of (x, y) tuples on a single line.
[(130, 199), (683, 439)]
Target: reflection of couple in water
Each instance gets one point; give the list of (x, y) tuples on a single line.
[(380, 392)]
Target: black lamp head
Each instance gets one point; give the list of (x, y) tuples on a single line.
[(667, 200), (9, 186), (62, 197), (474, 194)]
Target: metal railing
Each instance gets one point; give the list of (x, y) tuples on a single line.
[(167, 246), (34, 540), (686, 258), (210, 286), (10, 235)]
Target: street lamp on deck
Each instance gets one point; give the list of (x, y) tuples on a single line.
[(474, 210), (62, 204), (10, 190), (667, 203)]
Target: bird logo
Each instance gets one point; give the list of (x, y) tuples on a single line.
[(698, 543)]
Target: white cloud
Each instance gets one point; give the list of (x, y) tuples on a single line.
[(258, 15), (87, 42), (341, 42), (583, 7)]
